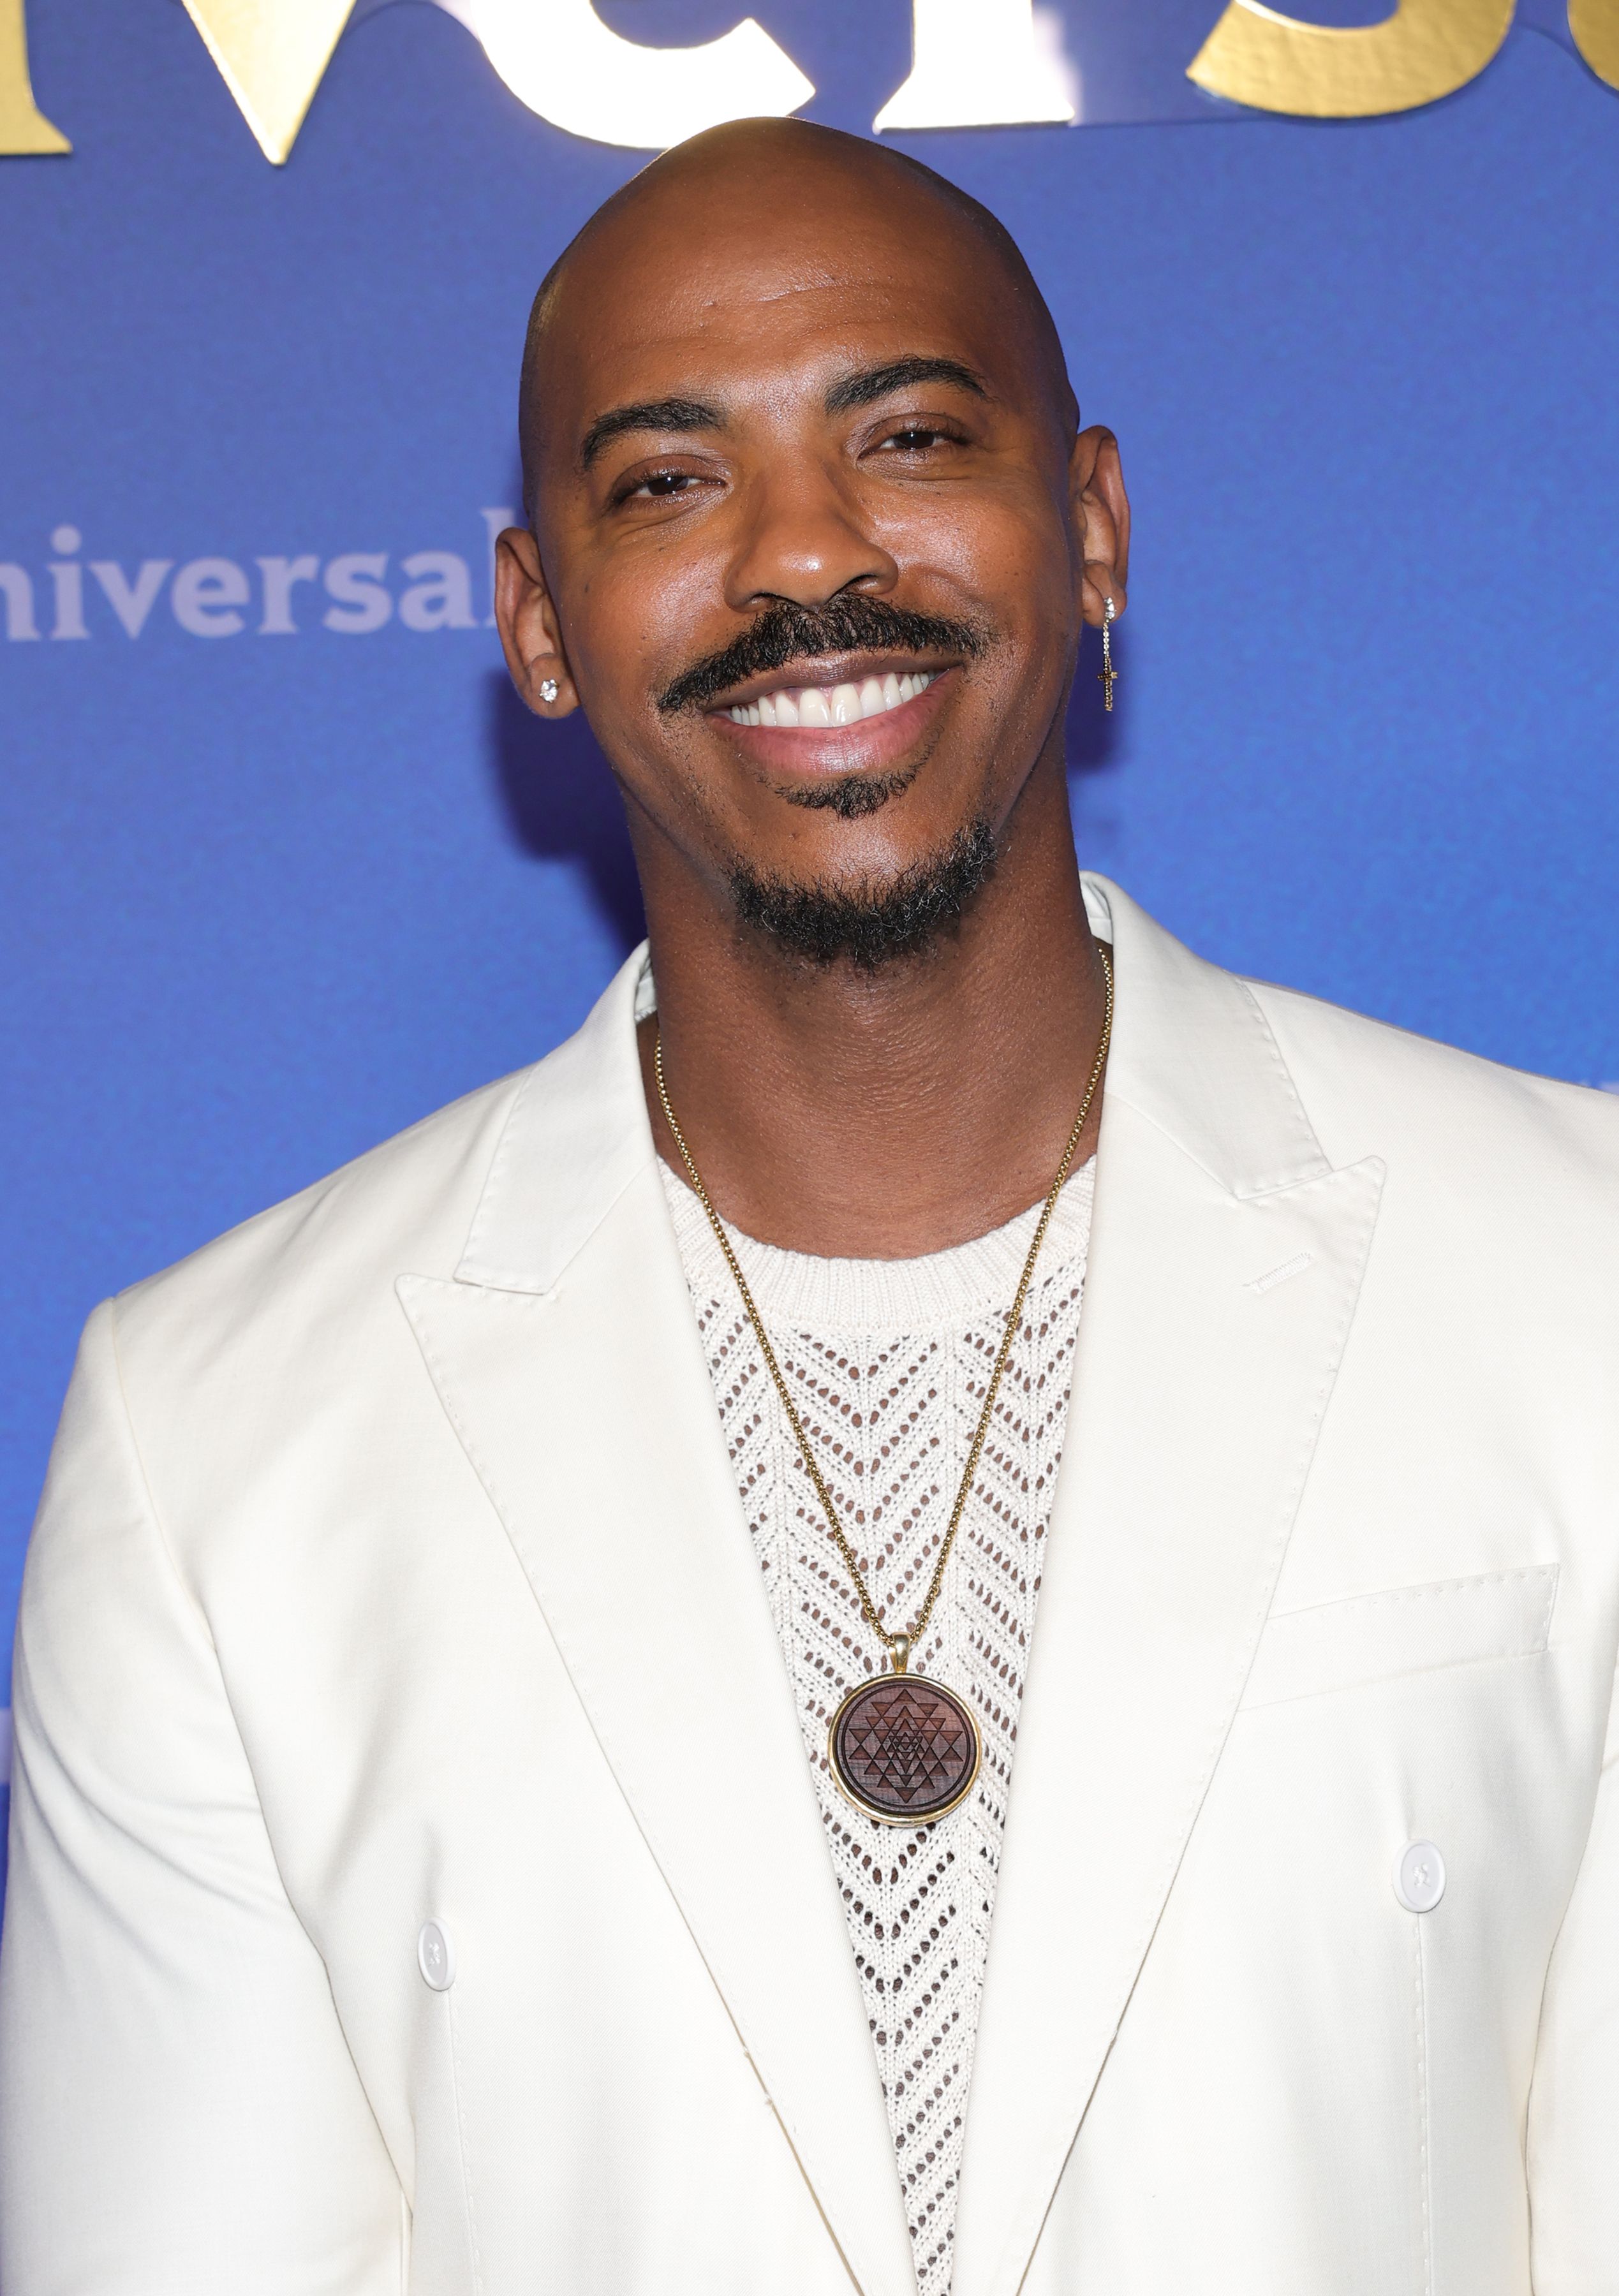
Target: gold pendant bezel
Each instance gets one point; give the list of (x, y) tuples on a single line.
[(903, 1819)]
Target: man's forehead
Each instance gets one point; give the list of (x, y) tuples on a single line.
[(807, 335), (771, 321), (764, 258), (711, 271)]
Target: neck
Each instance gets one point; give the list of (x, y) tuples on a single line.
[(884, 1116)]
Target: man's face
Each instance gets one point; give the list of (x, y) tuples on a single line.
[(811, 541)]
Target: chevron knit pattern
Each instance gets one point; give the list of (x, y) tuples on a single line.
[(887, 1361)]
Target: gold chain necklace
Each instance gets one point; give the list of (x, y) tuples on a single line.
[(903, 1748)]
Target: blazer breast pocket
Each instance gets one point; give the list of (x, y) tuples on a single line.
[(1405, 1630)]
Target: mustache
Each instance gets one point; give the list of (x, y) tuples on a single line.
[(784, 633)]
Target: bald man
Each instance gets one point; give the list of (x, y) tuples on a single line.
[(936, 1614)]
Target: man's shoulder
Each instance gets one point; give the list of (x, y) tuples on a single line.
[(405, 1206), (1369, 1088), (302, 1302)]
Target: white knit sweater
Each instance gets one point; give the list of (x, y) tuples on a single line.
[(887, 1361)]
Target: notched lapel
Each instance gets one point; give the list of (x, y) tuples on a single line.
[(589, 1415), (1198, 1395)]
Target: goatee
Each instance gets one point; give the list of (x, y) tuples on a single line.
[(869, 923)]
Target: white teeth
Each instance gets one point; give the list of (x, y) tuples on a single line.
[(837, 705)]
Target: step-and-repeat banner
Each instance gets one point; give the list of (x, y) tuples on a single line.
[(282, 864)]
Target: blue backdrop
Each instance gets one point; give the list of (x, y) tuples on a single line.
[(268, 897)]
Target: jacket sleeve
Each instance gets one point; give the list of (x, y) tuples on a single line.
[(1573, 2107), (179, 2114)]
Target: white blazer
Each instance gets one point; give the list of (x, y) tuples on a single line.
[(391, 1573)]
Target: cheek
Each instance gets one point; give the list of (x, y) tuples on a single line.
[(635, 618), (1006, 556)]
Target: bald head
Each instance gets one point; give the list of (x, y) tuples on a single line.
[(791, 206)]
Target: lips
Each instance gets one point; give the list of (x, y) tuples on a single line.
[(848, 704)]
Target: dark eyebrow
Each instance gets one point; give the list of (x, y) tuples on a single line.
[(648, 414), (869, 384)]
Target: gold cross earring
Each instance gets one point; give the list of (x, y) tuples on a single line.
[(1107, 674)]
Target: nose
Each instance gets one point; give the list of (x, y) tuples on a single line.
[(802, 539)]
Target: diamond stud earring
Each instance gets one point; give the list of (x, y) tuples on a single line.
[(548, 689)]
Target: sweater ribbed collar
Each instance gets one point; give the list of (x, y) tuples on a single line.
[(942, 1289)]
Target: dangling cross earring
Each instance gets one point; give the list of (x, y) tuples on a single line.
[(549, 690), (1108, 673)]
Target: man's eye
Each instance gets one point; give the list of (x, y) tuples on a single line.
[(916, 439), (654, 485)]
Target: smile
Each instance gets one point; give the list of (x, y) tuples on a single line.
[(832, 705)]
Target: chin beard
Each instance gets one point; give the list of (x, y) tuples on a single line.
[(871, 923)]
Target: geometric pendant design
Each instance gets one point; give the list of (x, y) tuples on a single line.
[(903, 1748)]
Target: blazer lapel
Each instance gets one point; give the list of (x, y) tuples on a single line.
[(566, 1354), (1198, 1393)]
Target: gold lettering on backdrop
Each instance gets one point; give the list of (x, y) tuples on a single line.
[(1595, 25), (976, 62), (271, 55), (1426, 49), (24, 128)]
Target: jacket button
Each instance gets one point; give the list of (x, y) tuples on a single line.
[(1419, 1877), (436, 1956)]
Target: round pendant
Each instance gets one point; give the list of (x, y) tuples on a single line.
[(903, 1748)]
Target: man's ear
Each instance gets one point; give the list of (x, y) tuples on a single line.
[(1099, 508), (529, 632)]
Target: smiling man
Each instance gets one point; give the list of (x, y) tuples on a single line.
[(935, 1614)]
